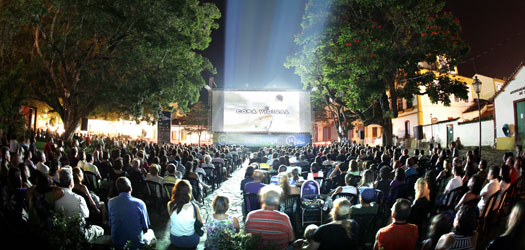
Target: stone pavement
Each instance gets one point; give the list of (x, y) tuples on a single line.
[(229, 188)]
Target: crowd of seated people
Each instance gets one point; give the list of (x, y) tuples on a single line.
[(436, 200), (104, 185), (404, 201)]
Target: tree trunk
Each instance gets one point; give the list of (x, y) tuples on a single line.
[(70, 125), (387, 132)]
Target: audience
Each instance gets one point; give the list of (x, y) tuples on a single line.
[(163, 163)]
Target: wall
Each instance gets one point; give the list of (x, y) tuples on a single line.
[(467, 133), (504, 110)]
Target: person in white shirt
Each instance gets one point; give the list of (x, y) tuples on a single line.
[(455, 182), (41, 166), (72, 204), (153, 174), (490, 188), (89, 166)]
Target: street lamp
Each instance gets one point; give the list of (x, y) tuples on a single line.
[(477, 87)]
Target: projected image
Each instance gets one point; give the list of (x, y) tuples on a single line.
[(260, 111)]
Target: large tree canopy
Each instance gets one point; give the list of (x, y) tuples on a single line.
[(370, 53), (133, 57)]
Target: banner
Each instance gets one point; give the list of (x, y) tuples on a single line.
[(261, 140), (164, 128)]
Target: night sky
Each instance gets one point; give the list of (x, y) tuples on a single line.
[(494, 30)]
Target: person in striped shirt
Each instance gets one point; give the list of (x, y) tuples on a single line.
[(273, 226)]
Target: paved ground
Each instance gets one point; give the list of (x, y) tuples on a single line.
[(229, 188)]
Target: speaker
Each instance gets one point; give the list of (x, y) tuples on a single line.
[(418, 132), (84, 124), (361, 134)]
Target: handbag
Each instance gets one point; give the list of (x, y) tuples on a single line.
[(198, 224)]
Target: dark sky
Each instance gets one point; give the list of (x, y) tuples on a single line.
[(494, 29)]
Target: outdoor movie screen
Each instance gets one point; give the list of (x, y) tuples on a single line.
[(261, 111)]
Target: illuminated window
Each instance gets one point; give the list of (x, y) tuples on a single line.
[(374, 132)]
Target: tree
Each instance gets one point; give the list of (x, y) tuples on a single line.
[(133, 57), (196, 120), (372, 53)]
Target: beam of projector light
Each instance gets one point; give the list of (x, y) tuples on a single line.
[(259, 36)]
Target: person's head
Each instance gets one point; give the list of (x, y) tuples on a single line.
[(41, 157), (171, 168), (181, 194), (154, 170), (439, 226), (258, 175), (117, 164), (123, 185), (493, 173), (465, 222), (341, 209), (220, 204), (457, 170), (282, 169), (14, 177), (135, 164), (353, 166), (78, 175), (410, 161), (309, 232), (384, 173), (399, 174), (65, 178), (270, 196), (401, 210), (422, 190), (368, 177), (516, 224), (447, 165), (315, 167), (475, 184), (207, 159), (366, 195), (505, 173), (483, 165)]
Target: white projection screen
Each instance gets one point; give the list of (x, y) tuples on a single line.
[(261, 111)]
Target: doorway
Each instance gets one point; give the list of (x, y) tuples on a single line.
[(519, 116)]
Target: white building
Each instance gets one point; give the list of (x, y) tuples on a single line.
[(509, 105)]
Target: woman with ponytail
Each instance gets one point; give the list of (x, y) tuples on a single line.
[(338, 234)]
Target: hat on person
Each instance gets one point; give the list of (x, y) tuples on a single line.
[(367, 194)]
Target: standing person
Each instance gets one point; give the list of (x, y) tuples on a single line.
[(183, 214), (128, 217), (399, 234), (273, 226), (219, 221)]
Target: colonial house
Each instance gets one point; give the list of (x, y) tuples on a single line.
[(417, 118), (509, 109)]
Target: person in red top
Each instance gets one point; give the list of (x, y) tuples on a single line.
[(400, 234), (273, 226), (49, 148)]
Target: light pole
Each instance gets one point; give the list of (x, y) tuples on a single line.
[(477, 87)]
